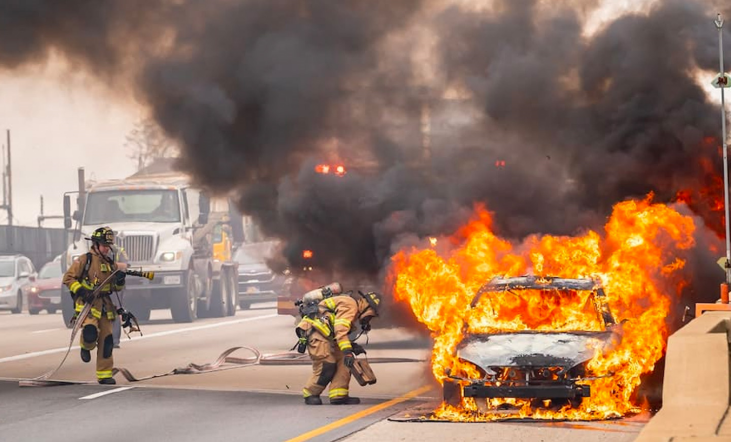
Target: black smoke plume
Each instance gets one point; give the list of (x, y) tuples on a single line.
[(548, 127)]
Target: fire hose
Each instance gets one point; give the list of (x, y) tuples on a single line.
[(288, 358), (43, 380)]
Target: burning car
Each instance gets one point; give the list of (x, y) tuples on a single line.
[(548, 366)]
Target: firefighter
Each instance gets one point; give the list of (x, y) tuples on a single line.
[(325, 336), (84, 275)]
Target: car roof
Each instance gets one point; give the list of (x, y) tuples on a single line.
[(10, 257)]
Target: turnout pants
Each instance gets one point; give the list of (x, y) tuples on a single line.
[(327, 368), (96, 332)]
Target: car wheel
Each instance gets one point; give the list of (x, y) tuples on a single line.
[(33, 311), (183, 302), (18, 304), (244, 305), (51, 310)]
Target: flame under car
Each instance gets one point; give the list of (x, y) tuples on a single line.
[(546, 366)]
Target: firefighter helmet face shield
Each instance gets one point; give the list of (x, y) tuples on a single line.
[(104, 236)]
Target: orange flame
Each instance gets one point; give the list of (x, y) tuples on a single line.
[(635, 258)]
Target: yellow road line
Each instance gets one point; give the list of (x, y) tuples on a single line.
[(354, 417)]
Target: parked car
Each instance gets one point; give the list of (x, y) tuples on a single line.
[(45, 293), (257, 282), (17, 275), (532, 364)]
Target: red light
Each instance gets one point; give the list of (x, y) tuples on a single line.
[(322, 168), (340, 170), (307, 254), (500, 163)]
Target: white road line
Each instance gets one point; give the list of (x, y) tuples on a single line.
[(140, 338), (46, 330), (104, 393)]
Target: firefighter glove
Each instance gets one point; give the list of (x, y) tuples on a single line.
[(349, 359), (120, 278), (358, 349), (85, 294)]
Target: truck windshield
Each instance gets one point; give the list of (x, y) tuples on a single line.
[(118, 206)]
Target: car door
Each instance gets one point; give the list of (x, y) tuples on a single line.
[(25, 273)]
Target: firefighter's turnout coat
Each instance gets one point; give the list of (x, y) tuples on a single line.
[(327, 338), (97, 327)]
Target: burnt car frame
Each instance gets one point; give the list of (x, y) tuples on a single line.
[(534, 365)]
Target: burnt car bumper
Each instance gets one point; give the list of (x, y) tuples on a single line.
[(528, 392)]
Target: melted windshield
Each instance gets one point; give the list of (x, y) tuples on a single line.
[(107, 207)]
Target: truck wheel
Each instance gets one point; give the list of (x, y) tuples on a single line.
[(33, 311), (51, 310), (67, 307), (244, 305), (219, 297), (183, 302), (452, 393), (233, 293), (18, 304), (141, 309)]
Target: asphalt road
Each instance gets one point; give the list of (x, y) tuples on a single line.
[(246, 403)]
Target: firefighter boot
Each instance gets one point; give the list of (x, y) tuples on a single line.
[(107, 381), (85, 355), (345, 400), (313, 400)]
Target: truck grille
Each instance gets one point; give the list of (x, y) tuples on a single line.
[(138, 248)]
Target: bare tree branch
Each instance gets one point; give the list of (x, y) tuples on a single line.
[(147, 142)]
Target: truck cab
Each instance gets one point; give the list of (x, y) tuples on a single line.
[(165, 225)]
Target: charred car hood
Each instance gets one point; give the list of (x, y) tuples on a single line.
[(532, 349)]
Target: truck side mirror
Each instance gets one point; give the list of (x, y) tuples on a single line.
[(76, 216), (66, 212)]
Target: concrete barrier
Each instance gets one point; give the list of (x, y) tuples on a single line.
[(697, 383)]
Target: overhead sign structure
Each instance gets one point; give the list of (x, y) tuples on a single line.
[(722, 80)]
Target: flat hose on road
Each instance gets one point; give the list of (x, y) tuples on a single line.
[(288, 358)]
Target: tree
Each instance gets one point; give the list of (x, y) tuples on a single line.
[(146, 142)]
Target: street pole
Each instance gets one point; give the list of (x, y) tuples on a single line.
[(10, 183), (719, 26)]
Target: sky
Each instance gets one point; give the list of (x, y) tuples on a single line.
[(59, 121)]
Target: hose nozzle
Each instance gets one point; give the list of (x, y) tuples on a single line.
[(141, 274)]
